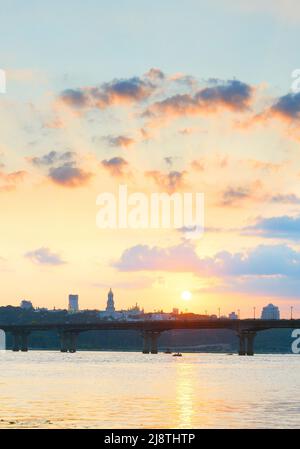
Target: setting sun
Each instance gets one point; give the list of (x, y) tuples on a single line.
[(186, 295)]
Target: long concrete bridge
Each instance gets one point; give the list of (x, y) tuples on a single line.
[(150, 330)]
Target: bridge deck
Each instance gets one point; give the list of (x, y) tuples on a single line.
[(155, 325)]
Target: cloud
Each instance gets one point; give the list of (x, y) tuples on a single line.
[(184, 80), (43, 256), (51, 158), (275, 286), (186, 131), (198, 165), (265, 269), (169, 160), (155, 74), (262, 260), (283, 227), (266, 166), (63, 168), (233, 196), (120, 141), (69, 175), (287, 106), (9, 181), (118, 91), (115, 166), (232, 94), (286, 199), (142, 257), (76, 98), (54, 123), (172, 181)]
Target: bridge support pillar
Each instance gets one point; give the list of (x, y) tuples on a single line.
[(242, 344), (154, 338), (63, 342), (72, 342), (246, 342), (146, 342), (16, 341), (68, 341), (250, 342), (24, 341)]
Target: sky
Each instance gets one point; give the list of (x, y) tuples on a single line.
[(169, 96)]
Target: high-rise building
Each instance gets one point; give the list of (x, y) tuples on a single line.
[(73, 303), (270, 312)]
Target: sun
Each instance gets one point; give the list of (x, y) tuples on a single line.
[(186, 295)]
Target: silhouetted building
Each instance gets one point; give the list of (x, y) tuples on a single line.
[(73, 303), (270, 312), (26, 304), (233, 316), (159, 316), (111, 313), (110, 305)]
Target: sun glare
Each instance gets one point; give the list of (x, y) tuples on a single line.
[(186, 295)]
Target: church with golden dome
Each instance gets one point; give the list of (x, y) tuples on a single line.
[(111, 313)]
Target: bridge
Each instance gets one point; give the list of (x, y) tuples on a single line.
[(150, 330)]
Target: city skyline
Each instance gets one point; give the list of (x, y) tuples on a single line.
[(170, 115), (114, 311)]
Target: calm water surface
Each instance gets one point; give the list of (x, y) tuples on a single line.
[(44, 389)]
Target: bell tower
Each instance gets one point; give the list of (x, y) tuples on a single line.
[(110, 307)]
